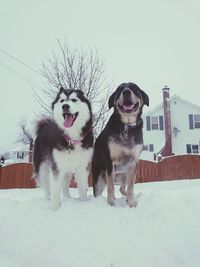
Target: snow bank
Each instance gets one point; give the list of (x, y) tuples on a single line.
[(163, 230)]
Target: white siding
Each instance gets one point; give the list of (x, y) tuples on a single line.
[(180, 110), (155, 137)]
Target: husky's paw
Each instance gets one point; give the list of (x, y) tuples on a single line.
[(54, 205), (84, 198)]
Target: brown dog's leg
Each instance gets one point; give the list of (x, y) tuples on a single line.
[(131, 176), (111, 190), (123, 185)]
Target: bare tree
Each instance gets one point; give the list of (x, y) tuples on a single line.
[(26, 137), (74, 68)]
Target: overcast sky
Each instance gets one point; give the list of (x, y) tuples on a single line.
[(152, 43)]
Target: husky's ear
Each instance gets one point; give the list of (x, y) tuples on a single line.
[(80, 92), (62, 90), (111, 101), (145, 98)]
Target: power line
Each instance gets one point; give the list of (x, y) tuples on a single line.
[(25, 78), (20, 75), (30, 82), (10, 69), (19, 61)]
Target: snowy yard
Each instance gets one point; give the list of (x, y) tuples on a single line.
[(162, 231)]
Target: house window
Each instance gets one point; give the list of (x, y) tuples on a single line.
[(197, 121), (192, 149), (145, 148), (149, 147), (20, 155), (154, 123), (194, 121)]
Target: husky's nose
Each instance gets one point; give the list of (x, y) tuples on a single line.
[(65, 107)]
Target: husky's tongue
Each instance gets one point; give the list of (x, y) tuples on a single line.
[(68, 120)]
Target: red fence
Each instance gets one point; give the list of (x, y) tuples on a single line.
[(172, 168), (19, 175)]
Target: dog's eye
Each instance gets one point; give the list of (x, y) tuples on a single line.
[(74, 100), (62, 100)]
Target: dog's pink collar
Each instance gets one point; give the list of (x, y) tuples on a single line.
[(72, 141)]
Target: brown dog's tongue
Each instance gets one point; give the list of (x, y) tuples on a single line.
[(127, 107), (68, 120)]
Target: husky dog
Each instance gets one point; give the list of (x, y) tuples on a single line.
[(63, 146), (118, 147)]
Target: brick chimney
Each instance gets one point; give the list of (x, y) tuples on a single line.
[(167, 150)]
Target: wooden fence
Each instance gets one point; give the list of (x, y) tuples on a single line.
[(19, 175), (171, 168)]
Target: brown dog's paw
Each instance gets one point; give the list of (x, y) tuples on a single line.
[(111, 201), (132, 203)]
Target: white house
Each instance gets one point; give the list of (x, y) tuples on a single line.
[(171, 128), (18, 155)]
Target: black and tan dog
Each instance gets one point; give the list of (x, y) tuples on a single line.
[(118, 147)]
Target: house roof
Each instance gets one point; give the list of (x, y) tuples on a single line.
[(20, 149), (171, 99)]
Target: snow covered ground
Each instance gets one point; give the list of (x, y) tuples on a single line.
[(163, 230)]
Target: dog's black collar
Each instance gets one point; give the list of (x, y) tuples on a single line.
[(127, 126), (133, 125)]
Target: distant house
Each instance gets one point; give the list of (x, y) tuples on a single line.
[(17, 155), (171, 128)]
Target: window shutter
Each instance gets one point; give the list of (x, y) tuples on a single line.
[(148, 123), (191, 124), (189, 151), (161, 122), (151, 147)]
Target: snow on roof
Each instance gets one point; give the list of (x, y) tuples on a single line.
[(20, 149), (172, 98)]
